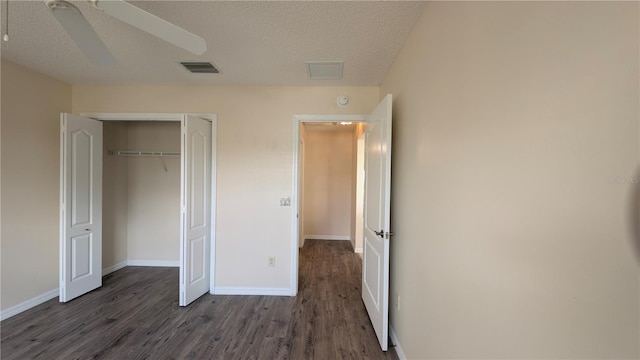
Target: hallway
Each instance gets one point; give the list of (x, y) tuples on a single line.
[(329, 306)]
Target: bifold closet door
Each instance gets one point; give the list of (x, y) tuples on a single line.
[(195, 202), (80, 206)]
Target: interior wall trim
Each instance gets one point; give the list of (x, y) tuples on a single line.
[(26, 305), (396, 342), (51, 294), (252, 291), (158, 263), (112, 268), (327, 237)]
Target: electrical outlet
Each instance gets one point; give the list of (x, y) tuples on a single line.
[(271, 261), (397, 302), (285, 201)]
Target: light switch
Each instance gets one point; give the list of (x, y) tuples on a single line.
[(285, 201)]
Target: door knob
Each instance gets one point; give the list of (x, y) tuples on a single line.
[(379, 233)]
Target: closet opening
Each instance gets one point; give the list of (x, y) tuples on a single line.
[(137, 190), (141, 193)]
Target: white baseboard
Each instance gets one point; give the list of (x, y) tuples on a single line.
[(251, 291), (358, 251), (159, 263), (327, 237), (113, 268), (396, 342), (26, 305), (33, 302)]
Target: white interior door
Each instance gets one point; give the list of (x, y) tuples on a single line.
[(80, 206), (195, 220), (375, 265)]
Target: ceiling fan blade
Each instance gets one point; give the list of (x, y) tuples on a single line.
[(152, 24), (81, 32)]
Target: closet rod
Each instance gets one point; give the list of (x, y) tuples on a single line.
[(145, 153)]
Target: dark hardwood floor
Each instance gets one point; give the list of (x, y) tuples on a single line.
[(135, 315)]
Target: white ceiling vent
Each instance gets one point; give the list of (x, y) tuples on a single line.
[(325, 70), (200, 67)]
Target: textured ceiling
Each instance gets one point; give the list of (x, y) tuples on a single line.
[(252, 43)]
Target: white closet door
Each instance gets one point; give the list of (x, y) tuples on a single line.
[(377, 206), (195, 220), (80, 206)]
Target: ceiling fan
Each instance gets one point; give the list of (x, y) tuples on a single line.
[(95, 50)]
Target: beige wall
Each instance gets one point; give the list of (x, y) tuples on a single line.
[(153, 232), (255, 161), (328, 182), (115, 194), (141, 209), (512, 122), (31, 107)]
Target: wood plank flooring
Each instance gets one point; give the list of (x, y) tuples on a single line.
[(135, 315)]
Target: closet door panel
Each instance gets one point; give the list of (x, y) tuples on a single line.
[(195, 231), (80, 206), (198, 180)]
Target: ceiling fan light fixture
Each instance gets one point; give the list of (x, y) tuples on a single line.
[(60, 5), (81, 32), (153, 25), (77, 26)]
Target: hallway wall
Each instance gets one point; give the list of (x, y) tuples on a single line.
[(328, 187)]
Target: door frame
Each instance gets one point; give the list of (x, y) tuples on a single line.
[(298, 120), (213, 118)]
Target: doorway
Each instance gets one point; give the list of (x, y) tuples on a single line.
[(331, 183), (323, 125), (376, 205)]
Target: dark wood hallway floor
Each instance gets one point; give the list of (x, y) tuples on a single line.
[(135, 315)]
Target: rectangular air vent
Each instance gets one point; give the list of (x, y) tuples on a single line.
[(325, 70), (200, 67)]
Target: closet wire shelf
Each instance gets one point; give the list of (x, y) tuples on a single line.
[(143, 153)]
